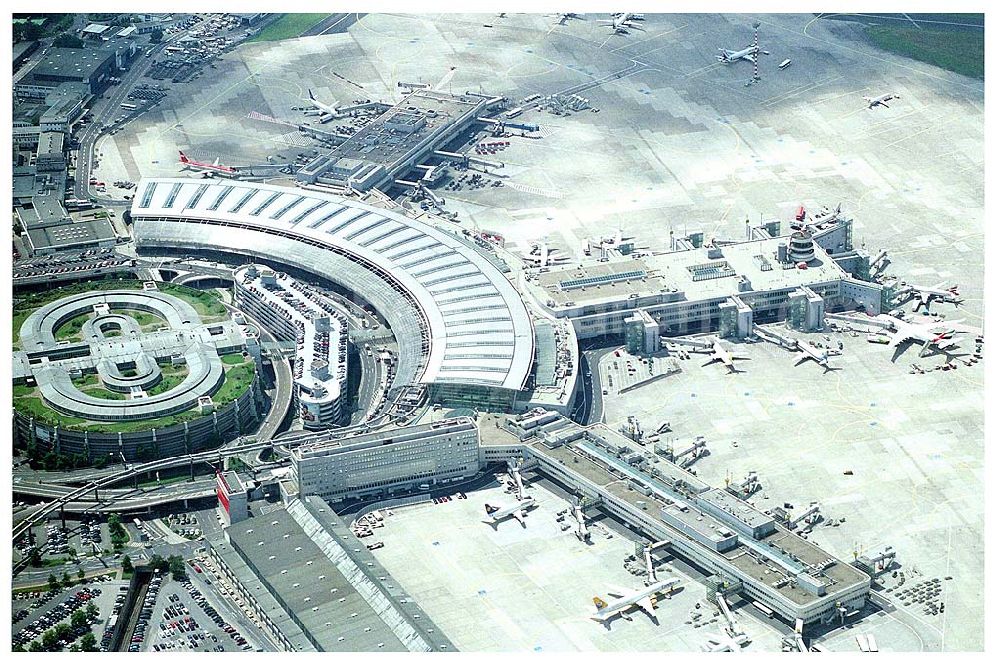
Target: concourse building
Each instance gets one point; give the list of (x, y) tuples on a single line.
[(462, 328)]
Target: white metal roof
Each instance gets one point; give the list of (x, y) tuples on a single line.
[(479, 328)]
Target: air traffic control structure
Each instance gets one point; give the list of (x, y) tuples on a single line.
[(462, 328), (726, 287), (748, 552)]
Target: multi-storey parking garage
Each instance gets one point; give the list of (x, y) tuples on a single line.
[(461, 326)]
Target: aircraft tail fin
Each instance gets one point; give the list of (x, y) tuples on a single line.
[(311, 96), (184, 158), (600, 604), (490, 509)]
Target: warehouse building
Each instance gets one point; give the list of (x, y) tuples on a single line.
[(331, 594)]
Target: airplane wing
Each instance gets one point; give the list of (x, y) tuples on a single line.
[(801, 358), (897, 338), (618, 591), (646, 604)]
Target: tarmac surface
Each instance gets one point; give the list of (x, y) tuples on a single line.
[(531, 588), (679, 143)]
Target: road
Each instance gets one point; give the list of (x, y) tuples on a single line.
[(93, 133)]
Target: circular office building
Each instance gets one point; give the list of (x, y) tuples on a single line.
[(137, 371)]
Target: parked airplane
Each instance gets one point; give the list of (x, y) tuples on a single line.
[(566, 16), (880, 100), (325, 111), (939, 335), (627, 599), (725, 643), (542, 256), (722, 355), (925, 295), (809, 353), (207, 170), (622, 22), (516, 510)]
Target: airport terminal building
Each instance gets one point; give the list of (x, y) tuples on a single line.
[(725, 287), (463, 329)]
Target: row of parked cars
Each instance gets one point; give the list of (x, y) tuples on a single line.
[(216, 617), (55, 615), (145, 613)]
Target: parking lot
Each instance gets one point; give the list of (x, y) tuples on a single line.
[(183, 620), (36, 612)]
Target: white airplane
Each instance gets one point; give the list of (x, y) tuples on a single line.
[(928, 335), (925, 295), (644, 598), (542, 256), (622, 22), (809, 353), (722, 355), (516, 510), (325, 111), (566, 16), (880, 100), (725, 643)]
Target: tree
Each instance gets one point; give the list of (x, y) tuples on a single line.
[(35, 646), (71, 551), (32, 31), (88, 643), (127, 564), (36, 557), (64, 632), (156, 36), (68, 41), (92, 611), (156, 562), (49, 640), (177, 570), (78, 620), (80, 575), (66, 580), (53, 583)]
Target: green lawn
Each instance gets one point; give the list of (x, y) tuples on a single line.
[(205, 303), (232, 359), (36, 407), (103, 393), (957, 51), (146, 320), (288, 26), (238, 378), (172, 378), (70, 329), (23, 390)]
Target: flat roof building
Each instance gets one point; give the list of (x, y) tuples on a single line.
[(714, 288), (340, 600), (377, 463), (462, 327), (398, 140), (92, 66), (293, 312)]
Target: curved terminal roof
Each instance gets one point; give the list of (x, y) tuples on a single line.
[(456, 316)]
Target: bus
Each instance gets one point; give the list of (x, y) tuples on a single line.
[(129, 107), (79, 204)]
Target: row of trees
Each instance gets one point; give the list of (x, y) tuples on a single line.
[(56, 584), (62, 634)]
